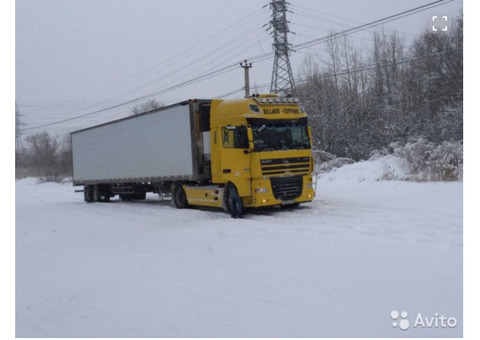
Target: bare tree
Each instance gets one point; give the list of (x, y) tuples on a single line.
[(43, 155), (149, 106), (64, 161)]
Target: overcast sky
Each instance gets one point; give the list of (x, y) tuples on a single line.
[(78, 56)]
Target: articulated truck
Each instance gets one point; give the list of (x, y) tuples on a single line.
[(231, 154)]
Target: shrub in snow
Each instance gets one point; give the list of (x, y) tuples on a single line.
[(334, 163), (321, 156), (417, 160), (432, 162), (325, 161)]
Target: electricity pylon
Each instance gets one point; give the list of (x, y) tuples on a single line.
[(282, 75), (18, 128)]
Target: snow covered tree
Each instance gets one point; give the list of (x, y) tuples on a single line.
[(358, 104)]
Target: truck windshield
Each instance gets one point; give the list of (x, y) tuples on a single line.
[(280, 135)]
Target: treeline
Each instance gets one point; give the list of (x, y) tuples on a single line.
[(44, 156), (361, 100)]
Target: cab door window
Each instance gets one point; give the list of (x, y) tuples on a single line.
[(234, 137)]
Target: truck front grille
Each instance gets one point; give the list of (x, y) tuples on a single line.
[(287, 188), (296, 165)]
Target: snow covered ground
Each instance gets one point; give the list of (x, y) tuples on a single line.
[(337, 267)]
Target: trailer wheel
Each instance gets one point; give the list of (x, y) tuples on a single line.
[(179, 196), (97, 193), (105, 193), (234, 202), (88, 193)]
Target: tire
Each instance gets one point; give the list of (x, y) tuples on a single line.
[(234, 202), (105, 193), (88, 193), (179, 197), (97, 193)]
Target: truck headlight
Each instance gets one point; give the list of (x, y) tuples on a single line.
[(261, 190), (309, 185)]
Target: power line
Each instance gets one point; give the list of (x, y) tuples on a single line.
[(191, 81), (206, 55), (182, 55), (363, 68), (372, 24), (237, 26), (258, 58), (356, 29), (245, 35)]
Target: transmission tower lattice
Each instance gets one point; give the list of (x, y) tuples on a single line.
[(282, 75), (18, 128)]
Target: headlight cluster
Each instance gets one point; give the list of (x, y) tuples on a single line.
[(261, 190)]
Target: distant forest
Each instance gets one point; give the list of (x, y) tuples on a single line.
[(363, 99)]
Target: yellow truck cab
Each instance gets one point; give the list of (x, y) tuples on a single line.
[(260, 155)]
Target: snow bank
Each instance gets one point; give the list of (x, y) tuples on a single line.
[(382, 168), (417, 160)]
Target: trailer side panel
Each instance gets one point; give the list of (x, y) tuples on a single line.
[(146, 147)]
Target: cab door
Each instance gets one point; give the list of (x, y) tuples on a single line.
[(234, 163)]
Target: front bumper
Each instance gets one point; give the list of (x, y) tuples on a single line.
[(280, 191)]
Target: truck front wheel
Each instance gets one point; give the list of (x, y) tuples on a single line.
[(179, 197), (234, 202)]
